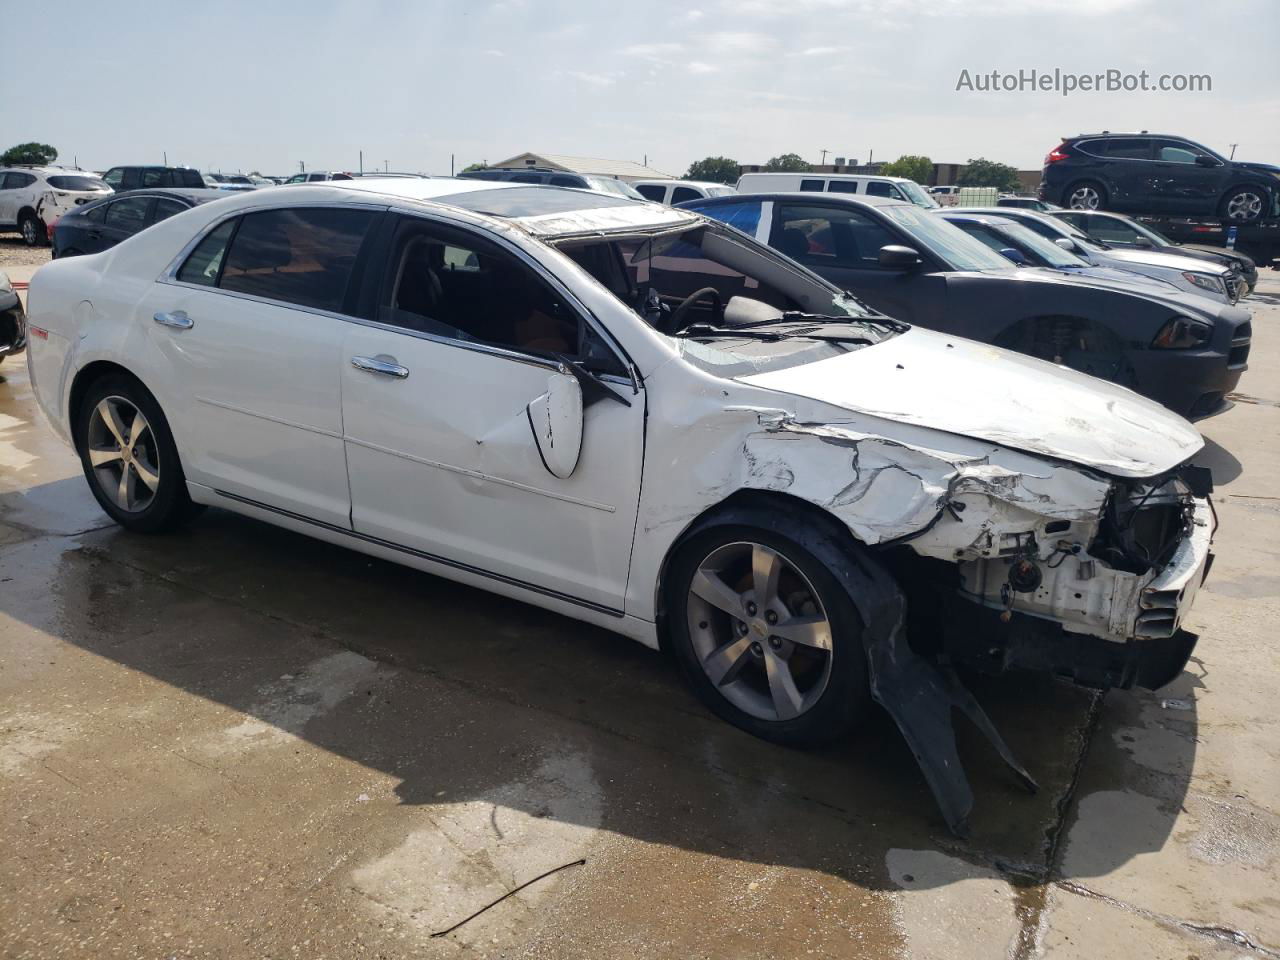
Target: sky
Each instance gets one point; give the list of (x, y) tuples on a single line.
[(242, 86)]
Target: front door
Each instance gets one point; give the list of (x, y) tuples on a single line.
[(252, 331), (842, 245), (440, 449), (1179, 184)]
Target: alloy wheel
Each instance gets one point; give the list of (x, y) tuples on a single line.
[(1084, 198), (1244, 206), (29, 232), (760, 631), (123, 453)]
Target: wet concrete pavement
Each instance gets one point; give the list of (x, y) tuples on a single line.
[(238, 742)]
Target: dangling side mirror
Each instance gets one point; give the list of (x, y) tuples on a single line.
[(556, 420)]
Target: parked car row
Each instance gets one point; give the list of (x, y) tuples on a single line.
[(672, 427), (1167, 330)]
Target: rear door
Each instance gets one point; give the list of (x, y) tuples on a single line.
[(251, 327), (436, 388), (843, 245), (123, 219), (1129, 169), (8, 206)]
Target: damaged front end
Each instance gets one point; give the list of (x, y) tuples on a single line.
[(1009, 561), (1100, 604)]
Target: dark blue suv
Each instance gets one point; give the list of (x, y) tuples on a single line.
[(1157, 173)]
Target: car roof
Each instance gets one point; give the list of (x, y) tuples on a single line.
[(543, 211), (1131, 133), (847, 199), (826, 176)]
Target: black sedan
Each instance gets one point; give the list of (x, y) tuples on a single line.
[(98, 226), (1183, 351), (1117, 230)]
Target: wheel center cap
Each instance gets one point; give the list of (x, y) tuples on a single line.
[(758, 627)]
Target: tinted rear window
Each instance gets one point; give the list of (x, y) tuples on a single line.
[(77, 183), (1130, 148), (303, 256)]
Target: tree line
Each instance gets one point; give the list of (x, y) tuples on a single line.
[(979, 172)]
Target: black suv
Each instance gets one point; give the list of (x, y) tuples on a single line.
[(1155, 173), (121, 179)]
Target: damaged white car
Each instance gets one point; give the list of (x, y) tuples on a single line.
[(643, 419)]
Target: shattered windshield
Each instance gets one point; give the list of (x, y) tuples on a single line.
[(732, 305)]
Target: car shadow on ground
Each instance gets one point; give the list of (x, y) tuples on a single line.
[(459, 694), (1220, 460)]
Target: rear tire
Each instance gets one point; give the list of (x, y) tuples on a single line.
[(1244, 204), (33, 230), (792, 669), (129, 457), (1085, 195)]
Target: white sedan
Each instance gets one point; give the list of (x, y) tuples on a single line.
[(643, 419)]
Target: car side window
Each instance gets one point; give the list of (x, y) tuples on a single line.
[(4, 182), (1129, 148), (1109, 230), (452, 284), (650, 191), (99, 213), (842, 186), (563, 181), (1176, 151), (204, 263), (812, 186), (129, 214), (165, 209), (985, 235), (299, 255), (16, 181), (154, 178), (113, 177), (681, 194), (830, 236), (878, 188)]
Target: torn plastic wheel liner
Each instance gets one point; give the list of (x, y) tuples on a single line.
[(920, 696)]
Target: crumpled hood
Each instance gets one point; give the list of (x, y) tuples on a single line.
[(959, 386)]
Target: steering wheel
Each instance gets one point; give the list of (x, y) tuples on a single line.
[(676, 322)]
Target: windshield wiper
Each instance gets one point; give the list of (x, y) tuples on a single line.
[(697, 331), (792, 317)]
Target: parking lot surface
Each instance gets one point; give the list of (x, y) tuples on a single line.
[(238, 742)]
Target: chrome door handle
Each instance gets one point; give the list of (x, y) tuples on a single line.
[(178, 319), (382, 364)]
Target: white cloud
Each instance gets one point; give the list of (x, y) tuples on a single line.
[(692, 16), (495, 53), (737, 42), (651, 49), (822, 51), (592, 79), (699, 67)]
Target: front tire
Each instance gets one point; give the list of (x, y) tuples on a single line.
[(128, 456), (1244, 204), (1085, 195), (768, 638)]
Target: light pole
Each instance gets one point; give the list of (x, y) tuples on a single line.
[(1233, 150), (824, 158)]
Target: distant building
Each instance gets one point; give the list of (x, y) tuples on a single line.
[(594, 166)]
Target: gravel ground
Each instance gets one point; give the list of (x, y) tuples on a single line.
[(15, 253)]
